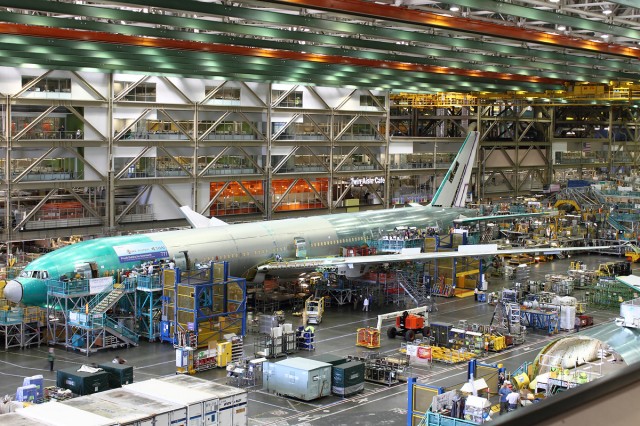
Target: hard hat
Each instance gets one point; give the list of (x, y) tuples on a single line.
[(507, 382)]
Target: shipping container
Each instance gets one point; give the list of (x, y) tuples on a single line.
[(119, 374), (122, 415), (164, 413), (232, 402), (300, 378), (56, 414), (330, 359), (202, 408), (17, 419), (347, 378), (81, 382)]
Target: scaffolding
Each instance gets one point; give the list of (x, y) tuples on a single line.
[(21, 327), (203, 305), (89, 315), (148, 306)]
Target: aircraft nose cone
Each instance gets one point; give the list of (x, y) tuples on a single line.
[(13, 291)]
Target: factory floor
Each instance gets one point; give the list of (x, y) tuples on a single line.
[(377, 405)]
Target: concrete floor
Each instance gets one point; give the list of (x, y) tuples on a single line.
[(378, 405)]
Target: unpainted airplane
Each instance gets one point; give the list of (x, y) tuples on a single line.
[(252, 245)]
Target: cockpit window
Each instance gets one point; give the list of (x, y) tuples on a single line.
[(42, 275)]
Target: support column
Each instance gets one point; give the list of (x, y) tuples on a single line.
[(110, 190), (387, 163), (268, 170)]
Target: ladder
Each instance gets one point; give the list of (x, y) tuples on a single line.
[(513, 316)]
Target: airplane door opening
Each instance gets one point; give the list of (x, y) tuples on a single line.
[(301, 247), (182, 260), (87, 270)]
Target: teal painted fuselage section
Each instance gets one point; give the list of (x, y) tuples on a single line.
[(64, 260)]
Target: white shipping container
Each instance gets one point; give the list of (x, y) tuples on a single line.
[(57, 414), (202, 408), (120, 414), (17, 419), (232, 403), (567, 317), (164, 413)]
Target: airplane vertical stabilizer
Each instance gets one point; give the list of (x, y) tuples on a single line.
[(453, 190), (196, 220)]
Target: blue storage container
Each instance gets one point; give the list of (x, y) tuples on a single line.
[(38, 382)]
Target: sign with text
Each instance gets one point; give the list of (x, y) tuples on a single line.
[(366, 180), (419, 354), (98, 285), (141, 251)]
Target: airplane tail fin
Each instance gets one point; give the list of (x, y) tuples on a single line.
[(196, 220), (453, 190)]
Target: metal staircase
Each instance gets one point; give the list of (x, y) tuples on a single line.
[(100, 305), (418, 292), (616, 225), (121, 332)]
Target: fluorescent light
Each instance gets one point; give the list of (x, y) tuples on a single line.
[(454, 8), (607, 11), (605, 36), (562, 27)]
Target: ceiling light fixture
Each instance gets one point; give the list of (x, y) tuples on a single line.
[(605, 36), (454, 8), (561, 27), (607, 11), (554, 1)]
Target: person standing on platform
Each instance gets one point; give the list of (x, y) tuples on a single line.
[(504, 392), (51, 356), (475, 294)]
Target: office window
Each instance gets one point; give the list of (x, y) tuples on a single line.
[(226, 93), (367, 100), (144, 92), (292, 100), (48, 84)]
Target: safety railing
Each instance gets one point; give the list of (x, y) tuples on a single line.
[(99, 297), (129, 334), (67, 288)]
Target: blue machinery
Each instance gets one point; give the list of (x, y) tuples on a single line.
[(149, 305), (541, 320), (202, 305)]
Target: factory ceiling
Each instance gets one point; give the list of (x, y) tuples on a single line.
[(401, 45)]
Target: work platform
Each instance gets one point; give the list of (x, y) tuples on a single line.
[(89, 315)]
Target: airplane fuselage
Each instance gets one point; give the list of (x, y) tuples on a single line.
[(244, 246)]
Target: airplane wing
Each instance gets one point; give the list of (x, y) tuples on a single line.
[(477, 250), (196, 220), (499, 217)]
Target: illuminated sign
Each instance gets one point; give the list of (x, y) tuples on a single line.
[(366, 180)]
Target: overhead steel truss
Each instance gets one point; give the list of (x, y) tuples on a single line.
[(407, 45)]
